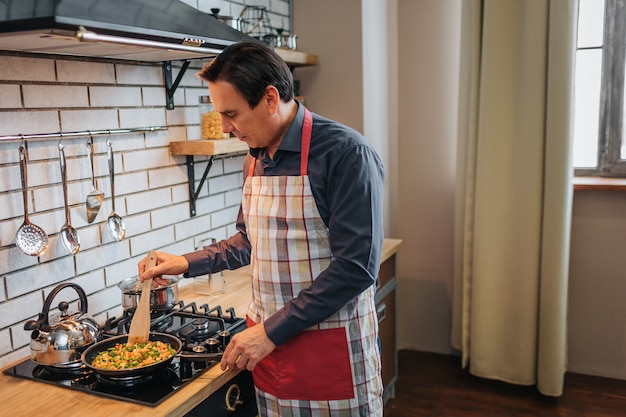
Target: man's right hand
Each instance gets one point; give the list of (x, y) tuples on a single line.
[(166, 265)]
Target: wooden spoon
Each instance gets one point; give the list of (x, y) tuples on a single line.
[(140, 325)]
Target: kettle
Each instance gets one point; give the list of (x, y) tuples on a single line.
[(60, 340)]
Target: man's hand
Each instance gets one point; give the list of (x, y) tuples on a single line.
[(247, 348), (166, 265)]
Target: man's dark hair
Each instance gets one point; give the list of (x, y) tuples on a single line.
[(250, 67)]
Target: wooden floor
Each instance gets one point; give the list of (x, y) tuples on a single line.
[(435, 385)]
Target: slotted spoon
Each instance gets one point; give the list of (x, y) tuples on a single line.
[(30, 238), (140, 325)]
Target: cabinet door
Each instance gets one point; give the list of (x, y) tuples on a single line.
[(386, 309), (386, 273), (387, 332)]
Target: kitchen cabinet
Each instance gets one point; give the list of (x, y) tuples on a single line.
[(386, 309)]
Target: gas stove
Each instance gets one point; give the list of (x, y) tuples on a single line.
[(199, 327)]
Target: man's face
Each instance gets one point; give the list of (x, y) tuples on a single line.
[(252, 126)]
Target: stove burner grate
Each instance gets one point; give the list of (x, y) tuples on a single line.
[(198, 330)]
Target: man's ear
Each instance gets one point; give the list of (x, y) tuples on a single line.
[(271, 99)]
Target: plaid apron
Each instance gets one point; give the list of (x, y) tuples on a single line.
[(326, 370)]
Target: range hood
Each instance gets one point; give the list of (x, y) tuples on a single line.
[(138, 30)]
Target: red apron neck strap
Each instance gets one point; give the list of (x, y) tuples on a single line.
[(307, 127), (251, 168)]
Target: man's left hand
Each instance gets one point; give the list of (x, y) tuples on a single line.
[(247, 348)]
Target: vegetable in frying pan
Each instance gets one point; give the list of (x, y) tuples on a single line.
[(135, 355)]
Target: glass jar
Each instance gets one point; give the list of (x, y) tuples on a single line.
[(210, 123), (210, 284)]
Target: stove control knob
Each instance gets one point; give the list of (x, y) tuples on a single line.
[(212, 345), (224, 338), (199, 364)]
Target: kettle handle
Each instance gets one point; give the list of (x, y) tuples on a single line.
[(42, 319)]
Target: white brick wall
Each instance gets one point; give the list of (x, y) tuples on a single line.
[(85, 72), (117, 96), (10, 96), (47, 95), (36, 96)]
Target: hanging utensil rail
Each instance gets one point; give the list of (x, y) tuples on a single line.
[(44, 136)]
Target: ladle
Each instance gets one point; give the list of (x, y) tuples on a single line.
[(30, 238), (95, 197), (115, 224), (69, 235)]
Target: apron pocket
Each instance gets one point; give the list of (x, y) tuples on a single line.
[(314, 366)]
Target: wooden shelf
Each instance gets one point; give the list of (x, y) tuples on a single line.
[(203, 147), (297, 58), (208, 147)]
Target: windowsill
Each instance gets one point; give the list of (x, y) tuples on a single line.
[(599, 184)]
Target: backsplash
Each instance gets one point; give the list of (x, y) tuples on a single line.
[(51, 95)]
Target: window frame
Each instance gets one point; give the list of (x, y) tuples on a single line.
[(609, 162)]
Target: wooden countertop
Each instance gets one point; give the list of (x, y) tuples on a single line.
[(390, 247), (20, 397)]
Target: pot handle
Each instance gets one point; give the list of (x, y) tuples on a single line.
[(42, 319), (197, 356)]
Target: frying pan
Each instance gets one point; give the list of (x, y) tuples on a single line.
[(91, 352)]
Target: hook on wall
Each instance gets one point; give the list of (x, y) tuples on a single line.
[(61, 135), (89, 143)]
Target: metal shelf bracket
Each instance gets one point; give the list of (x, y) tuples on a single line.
[(170, 87), (193, 192)]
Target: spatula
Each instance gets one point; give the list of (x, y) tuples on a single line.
[(140, 325), (95, 197)]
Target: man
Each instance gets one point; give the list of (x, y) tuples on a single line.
[(310, 226)]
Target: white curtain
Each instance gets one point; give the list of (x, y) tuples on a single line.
[(514, 190)]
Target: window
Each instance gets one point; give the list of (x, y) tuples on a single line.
[(599, 139)]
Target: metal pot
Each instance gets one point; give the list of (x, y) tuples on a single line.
[(162, 298), (60, 340), (281, 40), (233, 22)]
